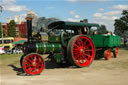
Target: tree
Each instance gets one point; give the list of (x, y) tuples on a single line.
[(121, 25), (102, 30), (2, 29), (12, 29)]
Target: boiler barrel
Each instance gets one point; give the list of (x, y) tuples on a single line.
[(46, 48), (42, 48)]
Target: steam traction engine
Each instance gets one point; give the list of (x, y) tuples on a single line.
[(67, 43)]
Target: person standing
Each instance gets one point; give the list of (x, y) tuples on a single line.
[(125, 41)]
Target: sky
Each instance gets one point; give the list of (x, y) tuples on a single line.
[(96, 11)]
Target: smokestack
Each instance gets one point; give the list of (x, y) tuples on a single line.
[(29, 28)]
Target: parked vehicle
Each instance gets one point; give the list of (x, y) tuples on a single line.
[(7, 43), (2, 50)]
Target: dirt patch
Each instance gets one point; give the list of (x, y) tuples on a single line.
[(100, 72)]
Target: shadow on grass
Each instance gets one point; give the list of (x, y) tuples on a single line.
[(48, 65), (19, 71), (53, 65)]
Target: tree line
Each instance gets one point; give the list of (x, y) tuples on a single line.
[(121, 25)]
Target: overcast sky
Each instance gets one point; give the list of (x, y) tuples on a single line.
[(96, 11)]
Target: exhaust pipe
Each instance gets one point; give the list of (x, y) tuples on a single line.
[(29, 28)]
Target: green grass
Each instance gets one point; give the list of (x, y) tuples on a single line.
[(123, 43), (122, 46), (7, 59), (7, 56)]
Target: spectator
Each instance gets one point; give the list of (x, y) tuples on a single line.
[(109, 33), (84, 30), (94, 33), (125, 41)]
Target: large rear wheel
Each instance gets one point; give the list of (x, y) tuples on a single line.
[(80, 51), (33, 64)]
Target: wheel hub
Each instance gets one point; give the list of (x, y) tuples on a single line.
[(34, 64), (81, 50)]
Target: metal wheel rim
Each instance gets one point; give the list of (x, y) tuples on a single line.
[(117, 51), (33, 64), (108, 54), (83, 51)]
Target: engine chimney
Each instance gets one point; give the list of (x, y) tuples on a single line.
[(29, 28)]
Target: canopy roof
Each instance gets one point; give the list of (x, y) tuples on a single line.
[(19, 42), (71, 25)]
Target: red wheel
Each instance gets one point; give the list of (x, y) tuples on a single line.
[(116, 52), (33, 64), (81, 51), (107, 54)]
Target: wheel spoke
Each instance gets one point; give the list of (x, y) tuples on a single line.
[(29, 60), (32, 58), (28, 65), (76, 53), (30, 69), (84, 44), (37, 59), (81, 42), (87, 55), (79, 60), (75, 49), (75, 45), (85, 58), (39, 64), (88, 50), (78, 43), (87, 46)]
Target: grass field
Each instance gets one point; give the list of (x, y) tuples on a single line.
[(122, 46), (7, 56), (6, 59)]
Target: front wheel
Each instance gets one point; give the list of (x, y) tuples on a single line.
[(33, 64), (80, 51)]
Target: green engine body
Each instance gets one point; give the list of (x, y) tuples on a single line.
[(42, 47), (46, 48)]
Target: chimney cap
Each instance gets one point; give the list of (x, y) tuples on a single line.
[(28, 18)]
